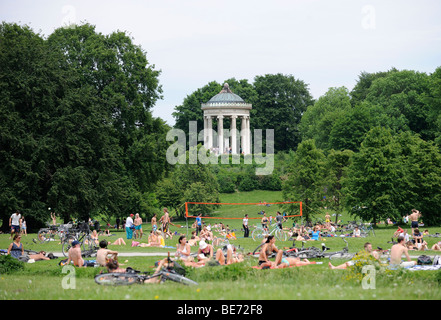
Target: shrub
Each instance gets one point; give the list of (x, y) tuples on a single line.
[(9, 264)]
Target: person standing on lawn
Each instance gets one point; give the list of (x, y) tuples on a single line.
[(129, 224), (246, 229)]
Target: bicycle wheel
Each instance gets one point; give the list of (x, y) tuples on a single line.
[(257, 234), (89, 244), (223, 242), (67, 244), (178, 278), (44, 235), (116, 279), (342, 255), (281, 235), (307, 254)]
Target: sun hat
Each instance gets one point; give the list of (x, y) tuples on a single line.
[(202, 245), (208, 228)]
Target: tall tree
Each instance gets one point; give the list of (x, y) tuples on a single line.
[(282, 100), (318, 120), (78, 134), (371, 187), (420, 187), (31, 85), (337, 163), (305, 178)]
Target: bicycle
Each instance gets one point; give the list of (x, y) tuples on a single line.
[(366, 230), (137, 277), (82, 235), (305, 253), (259, 233), (51, 231), (343, 254)]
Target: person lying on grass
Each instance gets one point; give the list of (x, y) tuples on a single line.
[(287, 262), (230, 257)]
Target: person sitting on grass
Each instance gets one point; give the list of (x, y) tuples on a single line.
[(102, 255), (356, 233), (153, 241), (315, 235), (205, 251), (193, 241), (113, 267), (183, 250), (74, 255), (267, 249), (396, 251)]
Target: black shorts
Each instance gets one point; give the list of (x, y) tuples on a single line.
[(414, 224), (15, 228)]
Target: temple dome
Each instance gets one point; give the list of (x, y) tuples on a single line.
[(226, 96)]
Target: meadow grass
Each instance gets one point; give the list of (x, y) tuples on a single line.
[(44, 279)]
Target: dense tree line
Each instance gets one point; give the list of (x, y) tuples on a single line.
[(77, 133)]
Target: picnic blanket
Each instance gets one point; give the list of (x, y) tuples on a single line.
[(425, 267)]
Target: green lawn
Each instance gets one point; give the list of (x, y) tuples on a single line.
[(44, 279)]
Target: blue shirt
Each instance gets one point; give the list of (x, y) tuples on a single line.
[(315, 235), (199, 221)]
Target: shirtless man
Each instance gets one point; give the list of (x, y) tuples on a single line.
[(138, 226), (102, 255), (397, 251), (414, 216), (268, 248), (74, 255), (165, 220)]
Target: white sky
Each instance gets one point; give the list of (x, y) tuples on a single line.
[(326, 43)]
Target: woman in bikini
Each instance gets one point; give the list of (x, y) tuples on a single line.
[(267, 249), (264, 222), (183, 250)]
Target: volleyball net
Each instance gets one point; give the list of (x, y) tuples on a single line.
[(239, 210)]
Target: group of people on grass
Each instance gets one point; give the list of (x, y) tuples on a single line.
[(206, 254)]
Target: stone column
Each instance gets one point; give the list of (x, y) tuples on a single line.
[(210, 132), (233, 134), (243, 134), (205, 132), (248, 131), (220, 133)]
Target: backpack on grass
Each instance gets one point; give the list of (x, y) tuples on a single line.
[(423, 260)]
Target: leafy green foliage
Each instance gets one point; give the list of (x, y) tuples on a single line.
[(78, 134), (8, 264)]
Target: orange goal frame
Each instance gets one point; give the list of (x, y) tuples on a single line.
[(260, 203)]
